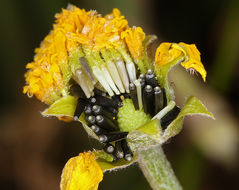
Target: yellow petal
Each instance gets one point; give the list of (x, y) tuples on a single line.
[(165, 54), (134, 39), (81, 173), (193, 59)]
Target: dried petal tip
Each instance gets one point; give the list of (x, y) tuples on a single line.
[(193, 59), (81, 172)]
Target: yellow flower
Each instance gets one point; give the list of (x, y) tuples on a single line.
[(168, 52), (81, 173), (134, 38)]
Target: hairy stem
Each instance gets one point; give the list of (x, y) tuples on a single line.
[(157, 169)]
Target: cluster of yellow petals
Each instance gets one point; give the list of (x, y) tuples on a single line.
[(165, 54), (45, 77), (134, 39), (81, 172), (168, 52), (101, 32)]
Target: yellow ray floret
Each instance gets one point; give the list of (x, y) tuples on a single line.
[(192, 58), (81, 173), (101, 32), (44, 78), (168, 52), (134, 38), (165, 54)]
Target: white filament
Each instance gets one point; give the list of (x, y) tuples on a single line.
[(139, 93), (131, 71), (100, 77), (123, 74), (116, 77), (82, 81), (165, 110), (109, 80)]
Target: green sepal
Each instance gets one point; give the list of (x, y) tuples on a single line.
[(162, 76), (107, 164), (145, 136), (66, 107), (192, 106), (100, 154)]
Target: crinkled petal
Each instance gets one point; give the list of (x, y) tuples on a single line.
[(167, 52), (81, 173)]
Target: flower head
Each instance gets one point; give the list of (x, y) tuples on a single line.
[(96, 70)]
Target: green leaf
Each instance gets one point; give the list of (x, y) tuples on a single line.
[(107, 164), (100, 154), (162, 75), (145, 136), (193, 106), (66, 107), (63, 107)]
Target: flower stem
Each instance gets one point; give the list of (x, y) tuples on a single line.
[(157, 169)]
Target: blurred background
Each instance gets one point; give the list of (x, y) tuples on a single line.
[(33, 149)]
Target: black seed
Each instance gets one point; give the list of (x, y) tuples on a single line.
[(104, 101), (109, 148), (97, 130), (158, 99), (88, 110), (164, 98), (99, 110), (125, 95), (76, 90), (92, 100), (106, 123), (81, 103), (118, 150), (142, 83), (142, 76), (117, 99), (148, 100), (169, 117), (151, 79), (128, 155), (99, 92), (111, 137), (112, 110), (133, 95), (90, 120), (103, 138)]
